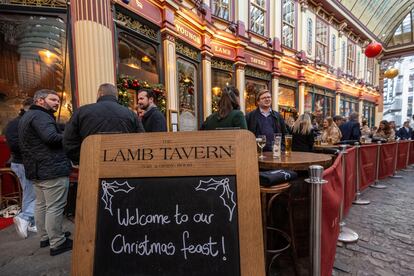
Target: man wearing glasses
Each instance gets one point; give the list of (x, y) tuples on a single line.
[(265, 121)]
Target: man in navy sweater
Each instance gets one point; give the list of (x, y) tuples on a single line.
[(405, 132), (265, 121), (351, 130)]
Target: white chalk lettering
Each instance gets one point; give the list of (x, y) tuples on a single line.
[(141, 219), (207, 249), (142, 248), (204, 218), (180, 218)]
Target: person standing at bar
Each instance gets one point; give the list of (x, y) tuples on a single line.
[(265, 121), (104, 116), (331, 133), (48, 167), (153, 120), (24, 221), (303, 134), (405, 132), (351, 130)]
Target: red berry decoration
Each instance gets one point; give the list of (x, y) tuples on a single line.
[(125, 84), (373, 50), (135, 83)]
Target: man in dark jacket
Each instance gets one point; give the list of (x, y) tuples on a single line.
[(405, 132), (265, 121), (351, 130), (153, 120), (104, 116), (48, 167), (24, 221)]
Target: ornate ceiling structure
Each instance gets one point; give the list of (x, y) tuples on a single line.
[(380, 17)]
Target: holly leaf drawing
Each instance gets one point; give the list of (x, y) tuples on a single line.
[(228, 200), (110, 188), (227, 196)]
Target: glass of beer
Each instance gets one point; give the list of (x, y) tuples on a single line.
[(261, 143), (288, 144)]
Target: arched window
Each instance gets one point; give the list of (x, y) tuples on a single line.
[(310, 36)]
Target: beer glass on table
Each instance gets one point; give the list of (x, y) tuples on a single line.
[(261, 142), (288, 144), (277, 145)]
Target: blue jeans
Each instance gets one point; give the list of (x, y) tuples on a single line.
[(29, 195)]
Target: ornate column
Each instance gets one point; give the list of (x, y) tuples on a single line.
[(93, 44), (360, 109), (301, 107), (241, 84), (170, 59), (207, 96), (337, 103), (170, 64), (275, 92)]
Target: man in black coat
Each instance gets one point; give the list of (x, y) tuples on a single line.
[(265, 121), (153, 120), (405, 132), (48, 167), (104, 116), (351, 130), (24, 221)]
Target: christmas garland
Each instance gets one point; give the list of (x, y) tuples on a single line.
[(126, 83)]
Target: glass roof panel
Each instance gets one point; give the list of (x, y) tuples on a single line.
[(404, 32), (380, 16)]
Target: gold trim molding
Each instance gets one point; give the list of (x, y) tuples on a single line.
[(181, 48), (38, 3), (137, 26)]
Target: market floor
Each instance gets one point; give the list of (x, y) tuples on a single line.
[(386, 231), (26, 258)]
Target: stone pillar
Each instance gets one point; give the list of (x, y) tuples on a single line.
[(275, 93), (378, 115), (241, 85), (301, 107), (360, 109), (170, 67), (207, 95), (337, 103), (93, 44)]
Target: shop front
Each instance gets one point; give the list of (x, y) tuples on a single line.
[(287, 100), (257, 77), (139, 52), (320, 102), (368, 113), (348, 104)]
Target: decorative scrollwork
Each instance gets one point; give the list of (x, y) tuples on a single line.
[(185, 50), (288, 82), (137, 26), (222, 65), (40, 3), (255, 73)]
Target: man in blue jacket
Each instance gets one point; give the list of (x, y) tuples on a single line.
[(351, 130), (48, 167), (405, 132)]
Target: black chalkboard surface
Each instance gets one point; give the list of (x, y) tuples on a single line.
[(167, 226)]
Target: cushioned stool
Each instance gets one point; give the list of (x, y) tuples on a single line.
[(272, 185)]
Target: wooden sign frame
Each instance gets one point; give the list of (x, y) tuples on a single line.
[(97, 162)]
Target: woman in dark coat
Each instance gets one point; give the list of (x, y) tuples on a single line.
[(302, 134), (228, 114)]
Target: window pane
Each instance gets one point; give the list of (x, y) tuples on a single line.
[(333, 50), (286, 96), (32, 56), (220, 79), (221, 8), (257, 20), (187, 95), (310, 36), (288, 23), (137, 59)]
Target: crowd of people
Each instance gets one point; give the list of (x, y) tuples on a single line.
[(43, 154)]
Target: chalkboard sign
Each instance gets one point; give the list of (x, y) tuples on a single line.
[(175, 224), (169, 204)]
